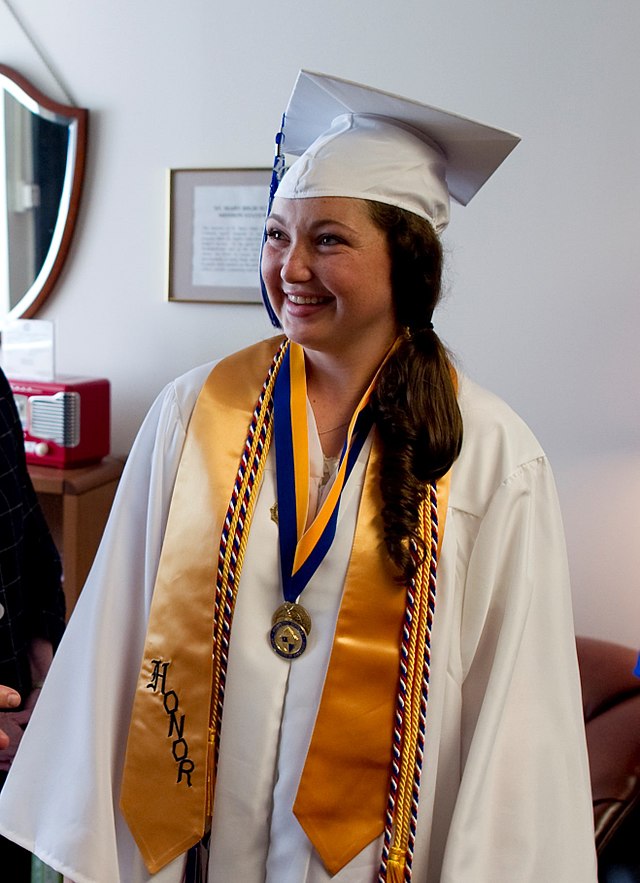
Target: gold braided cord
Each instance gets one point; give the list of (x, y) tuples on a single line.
[(218, 626), (396, 861)]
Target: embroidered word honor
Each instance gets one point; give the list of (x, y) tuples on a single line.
[(302, 548), (171, 704)]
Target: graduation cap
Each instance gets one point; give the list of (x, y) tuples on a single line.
[(360, 142)]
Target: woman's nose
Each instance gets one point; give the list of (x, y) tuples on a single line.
[(296, 266)]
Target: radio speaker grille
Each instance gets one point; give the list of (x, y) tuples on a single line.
[(56, 418)]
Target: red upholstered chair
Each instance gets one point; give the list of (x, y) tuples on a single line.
[(611, 699)]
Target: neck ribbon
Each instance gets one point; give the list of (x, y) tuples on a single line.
[(303, 549)]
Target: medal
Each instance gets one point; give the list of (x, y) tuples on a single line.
[(303, 547), (291, 625)]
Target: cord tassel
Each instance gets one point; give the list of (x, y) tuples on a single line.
[(396, 864), (410, 724)]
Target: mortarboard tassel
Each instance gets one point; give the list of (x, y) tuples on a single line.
[(276, 177)]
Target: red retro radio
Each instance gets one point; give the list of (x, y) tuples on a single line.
[(66, 422)]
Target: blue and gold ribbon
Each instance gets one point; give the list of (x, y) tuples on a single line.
[(302, 548)]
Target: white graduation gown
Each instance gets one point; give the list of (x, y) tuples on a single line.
[(505, 791)]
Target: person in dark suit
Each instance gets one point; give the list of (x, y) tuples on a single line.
[(32, 609)]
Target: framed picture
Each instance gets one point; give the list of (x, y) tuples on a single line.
[(216, 224)]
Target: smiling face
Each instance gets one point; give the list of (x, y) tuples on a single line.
[(327, 271)]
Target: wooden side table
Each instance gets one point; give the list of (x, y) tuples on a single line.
[(76, 503)]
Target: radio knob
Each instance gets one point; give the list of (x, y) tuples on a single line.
[(42, 449)]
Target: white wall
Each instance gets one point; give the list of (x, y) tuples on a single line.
[(544, 268)]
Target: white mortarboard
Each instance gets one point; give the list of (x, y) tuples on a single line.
[(356, 141)]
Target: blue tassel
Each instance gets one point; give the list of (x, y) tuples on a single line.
[(276, 177)]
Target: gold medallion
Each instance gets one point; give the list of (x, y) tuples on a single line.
[(291, 625)]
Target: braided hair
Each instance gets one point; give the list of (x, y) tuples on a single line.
[(414, 403)]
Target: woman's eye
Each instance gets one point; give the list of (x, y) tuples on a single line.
[(274, 234), (329, 239)]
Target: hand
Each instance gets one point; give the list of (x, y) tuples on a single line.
[(8, 699)]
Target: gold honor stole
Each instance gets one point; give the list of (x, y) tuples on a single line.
[(169, 773)]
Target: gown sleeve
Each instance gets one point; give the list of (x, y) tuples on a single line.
[(523, 811), (61, 797)]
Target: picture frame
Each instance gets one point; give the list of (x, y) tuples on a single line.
[(216, 225)]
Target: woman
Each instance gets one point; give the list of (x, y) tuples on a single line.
[(335, 722)]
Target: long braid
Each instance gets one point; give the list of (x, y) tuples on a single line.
[(414, 403)]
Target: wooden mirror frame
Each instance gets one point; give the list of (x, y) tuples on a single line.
[(41, 288)]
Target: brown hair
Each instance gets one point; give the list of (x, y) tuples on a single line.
[(414, 403)]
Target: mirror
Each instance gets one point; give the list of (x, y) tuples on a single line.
[(42, 156)]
